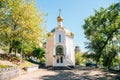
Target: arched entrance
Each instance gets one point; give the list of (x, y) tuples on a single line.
[(59, 56), (59, 50)]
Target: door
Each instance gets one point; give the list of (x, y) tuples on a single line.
[(59, 60)]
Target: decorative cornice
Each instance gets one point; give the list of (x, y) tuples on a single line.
[(50, 34), (70, 34)]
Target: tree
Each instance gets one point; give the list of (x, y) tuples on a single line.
[(79, 59), (102, 30), (116, 61), (39, 53), (20, 24), (109, 56)]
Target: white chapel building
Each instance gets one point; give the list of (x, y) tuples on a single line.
[(60, 46)]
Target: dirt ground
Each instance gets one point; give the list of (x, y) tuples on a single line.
[(75, 74)]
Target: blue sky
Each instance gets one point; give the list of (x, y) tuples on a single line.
[(74, 12)]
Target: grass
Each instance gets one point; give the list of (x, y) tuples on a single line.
[(26, 64), (10, 58), (14, 61), (3, 66)]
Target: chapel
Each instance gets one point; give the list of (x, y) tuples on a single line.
[(60, 46)]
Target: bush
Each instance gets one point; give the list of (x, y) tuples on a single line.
[(38, 53), (79, 59), (42, 60), (3, 66)]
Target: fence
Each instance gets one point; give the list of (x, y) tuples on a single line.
[(8, 73)]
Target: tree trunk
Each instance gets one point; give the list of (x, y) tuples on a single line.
[(15, 51), (10, 49)]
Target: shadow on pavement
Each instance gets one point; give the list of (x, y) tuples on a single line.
[(71, 75)]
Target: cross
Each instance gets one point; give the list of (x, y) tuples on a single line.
[(60, 12)]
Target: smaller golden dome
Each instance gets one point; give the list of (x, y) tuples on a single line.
[(59, 19)]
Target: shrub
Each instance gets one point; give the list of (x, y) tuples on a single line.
[(79, 59)]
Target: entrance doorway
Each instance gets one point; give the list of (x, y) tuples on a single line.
[(59, 56), (59, 59)]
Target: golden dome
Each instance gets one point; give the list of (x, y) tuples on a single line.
[(59, 19)]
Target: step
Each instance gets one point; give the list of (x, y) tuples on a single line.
[(60, 68)]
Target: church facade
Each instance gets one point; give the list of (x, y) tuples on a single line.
[(60, 46)]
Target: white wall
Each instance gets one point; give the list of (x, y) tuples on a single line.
[(62, 33), (62, 43), (70, 50), (68, 45)]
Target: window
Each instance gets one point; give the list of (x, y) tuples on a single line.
[(61, 60), (57, 59), (59, 50), (59, 38)]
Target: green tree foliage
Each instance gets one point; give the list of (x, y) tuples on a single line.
[(116, 61), (39, 53), (79, 59), (103, 32), (20, 25)]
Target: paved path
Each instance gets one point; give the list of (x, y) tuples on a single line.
[(44, 74)]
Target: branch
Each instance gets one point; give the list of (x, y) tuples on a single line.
[(109, 38)]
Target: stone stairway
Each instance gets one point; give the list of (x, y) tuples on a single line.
[(60, 68)]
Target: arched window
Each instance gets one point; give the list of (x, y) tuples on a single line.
[(60, 38), (59, 49)]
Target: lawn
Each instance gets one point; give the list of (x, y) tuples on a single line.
[(4, 66), (26, 64)]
